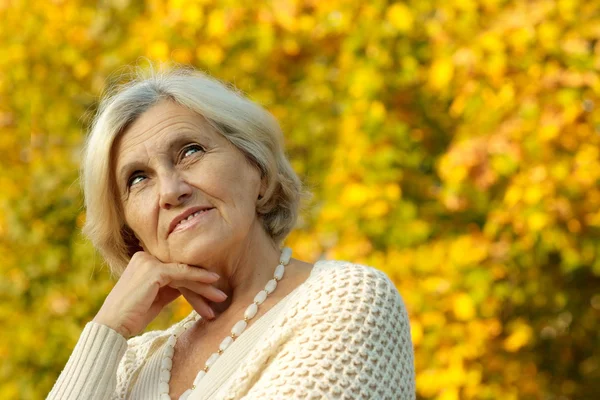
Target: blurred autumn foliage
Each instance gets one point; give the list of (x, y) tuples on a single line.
[(453, 145)]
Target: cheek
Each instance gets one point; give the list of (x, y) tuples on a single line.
[(138, 216), (234, 190), (246, 195), (242, 184)]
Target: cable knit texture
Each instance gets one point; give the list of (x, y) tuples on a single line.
[(344, 334)]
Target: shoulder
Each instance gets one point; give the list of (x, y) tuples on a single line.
[(351, 330), (350, 282), (347, 271), (340, 289)]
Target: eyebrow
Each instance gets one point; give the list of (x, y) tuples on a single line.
[(184, 137)]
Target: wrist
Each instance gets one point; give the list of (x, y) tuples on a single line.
[(120, 330)]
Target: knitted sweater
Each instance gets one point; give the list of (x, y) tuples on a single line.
[(342, 334)]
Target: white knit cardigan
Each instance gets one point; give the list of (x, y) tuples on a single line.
[(342, 334)]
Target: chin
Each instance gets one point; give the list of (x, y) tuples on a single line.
[(205, 246), (196, 253)]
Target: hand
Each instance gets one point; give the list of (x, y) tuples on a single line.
[(147, 286)]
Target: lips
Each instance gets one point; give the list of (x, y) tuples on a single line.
[(187, 214)]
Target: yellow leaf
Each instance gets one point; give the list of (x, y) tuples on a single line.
[(416, 332), (441, 73), (377, 209), (449, 394), (183, 56), (548, 132), (355, 195), (159, 50), (393, 191), (216, 24), (533, 194), (193, 14), (400, 17), (365, 81), (210, 54), (463, 307), (82, 68), (520, 336), (378, 111), (350, 125), (290, 46), (548, 34), (537, 221), (513, 195)]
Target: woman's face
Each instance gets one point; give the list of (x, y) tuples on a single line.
[(170, 163)]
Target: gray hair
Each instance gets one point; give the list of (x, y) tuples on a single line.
[(248, 126)]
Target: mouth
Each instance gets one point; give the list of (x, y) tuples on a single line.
[(188, 218)]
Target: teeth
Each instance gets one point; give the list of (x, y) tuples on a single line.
[(190, 217)]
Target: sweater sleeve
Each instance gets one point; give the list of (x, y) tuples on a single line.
[(354, 343), (91, 372)]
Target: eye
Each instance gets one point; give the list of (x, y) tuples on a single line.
[(135, 178), (191, 149)]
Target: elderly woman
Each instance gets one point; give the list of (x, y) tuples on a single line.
[(188, 193)]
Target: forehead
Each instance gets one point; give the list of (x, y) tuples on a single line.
[(161, 124)]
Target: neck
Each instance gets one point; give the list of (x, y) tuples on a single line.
[(246, 271)]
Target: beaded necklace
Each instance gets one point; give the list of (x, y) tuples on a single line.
[(236, 331)]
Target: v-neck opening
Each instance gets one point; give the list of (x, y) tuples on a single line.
[(248, 335)]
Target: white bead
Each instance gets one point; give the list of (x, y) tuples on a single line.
[(239, 328), (166, 363), (180, 328), (169, 351), (165, 375), (199, 377), (251, 311), (163, 387), (185, 394), (225, 343), (260, 297), (286, 254), (211, 360), (188, 325), (270, 286), (165, 396), (171, 341), (279, 272)]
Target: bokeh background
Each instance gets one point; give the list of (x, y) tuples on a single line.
[(452, 144)]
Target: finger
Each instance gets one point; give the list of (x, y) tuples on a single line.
[(203, 289), (184, 272), (198, 303)]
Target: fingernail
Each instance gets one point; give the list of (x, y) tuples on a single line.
[(223, 294), (211, 313), (215, 275)]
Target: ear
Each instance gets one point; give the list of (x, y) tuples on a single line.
[(263, 188)]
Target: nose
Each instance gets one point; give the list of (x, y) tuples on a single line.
[(173, 190)]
